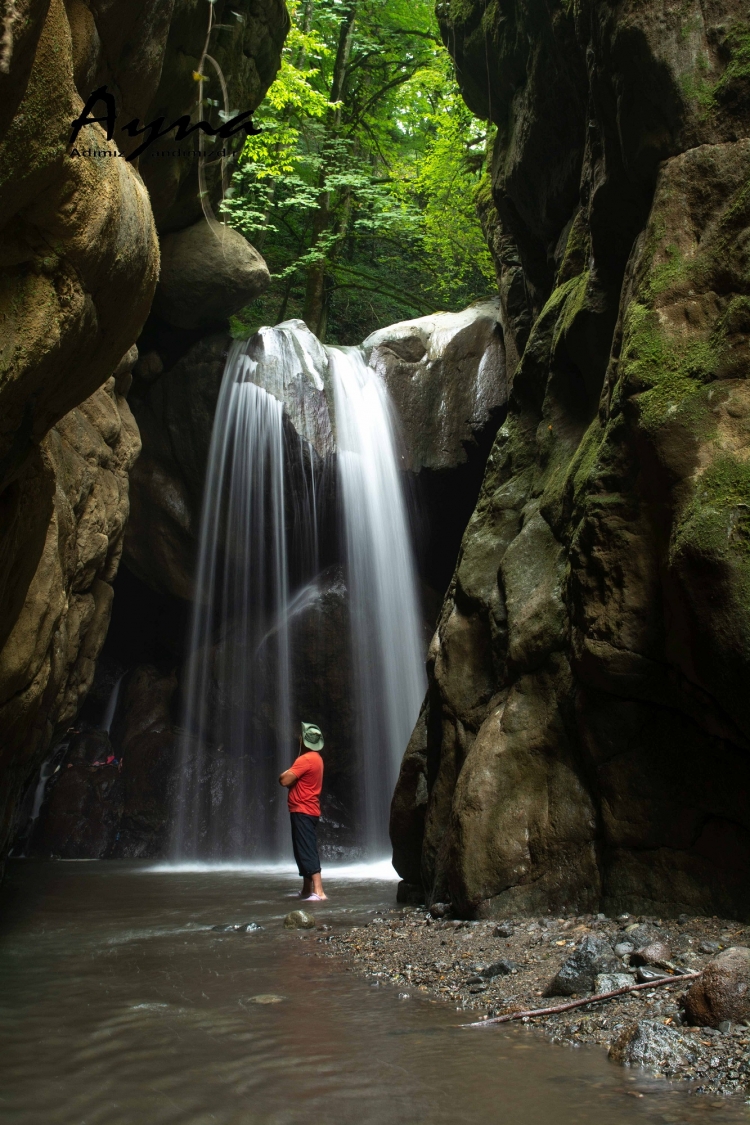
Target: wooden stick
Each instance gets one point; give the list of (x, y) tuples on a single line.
[(588, 1000)]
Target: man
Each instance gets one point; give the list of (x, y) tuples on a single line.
[(304, 780)]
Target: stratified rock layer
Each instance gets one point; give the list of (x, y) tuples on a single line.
[(585, 736)]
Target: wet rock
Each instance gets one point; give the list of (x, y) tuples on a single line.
[(654, 1045), (624, 948), (594, 956), (651, 953), (446, 375), (709, 947), (440, 909), (633, 626), (640, 934), (503, 929), (723, 992), (299, 920), (608, 982), (497, 969), (647, 973), (410, 894)]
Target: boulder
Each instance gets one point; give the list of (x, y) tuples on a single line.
[(299, 920), (578, 974), (654, 1045), (208, 272), (723, 992), (446, 375)]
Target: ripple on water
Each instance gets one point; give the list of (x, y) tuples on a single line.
[(119, 1008)]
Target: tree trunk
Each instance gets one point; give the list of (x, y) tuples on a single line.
[(315, 313)]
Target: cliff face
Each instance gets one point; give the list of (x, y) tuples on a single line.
[(78, 267), (79, 261), (585, 736)]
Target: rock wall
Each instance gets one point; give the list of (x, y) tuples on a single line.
[(584, 742), (79, 261), (78, 267)]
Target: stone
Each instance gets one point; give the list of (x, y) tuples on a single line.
[(299, 920), (611, 418), (654, 1045), (47, 664), (608, 982), (579, 972), (440, 909), (640, 934), (503, 929), (624, 948), (651, 953), (709, 947), (208, 272), (410, 894), (723, 992), (447, 378), (267, 998), (500, 968), (648, 973)]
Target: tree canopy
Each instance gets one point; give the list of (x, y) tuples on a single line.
[(360, 188)]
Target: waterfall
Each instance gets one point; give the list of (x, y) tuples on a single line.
[(257, 565), (241, 581), (390, 681), (109, 710)]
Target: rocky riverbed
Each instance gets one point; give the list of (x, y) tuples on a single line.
[(490, 968)]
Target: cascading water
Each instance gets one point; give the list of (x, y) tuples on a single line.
[(389, 675), (239, 582), (111, 708), (259, 539)]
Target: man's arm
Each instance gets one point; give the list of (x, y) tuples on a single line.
[(287, 779)]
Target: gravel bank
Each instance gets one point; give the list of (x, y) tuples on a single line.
[(490, 968)]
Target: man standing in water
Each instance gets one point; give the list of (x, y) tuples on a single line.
[(304, 780)]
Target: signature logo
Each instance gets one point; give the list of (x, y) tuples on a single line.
[(155, 129)]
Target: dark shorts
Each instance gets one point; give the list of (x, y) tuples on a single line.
[(305, 843)]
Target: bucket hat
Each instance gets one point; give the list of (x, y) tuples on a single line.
[(312, 736)]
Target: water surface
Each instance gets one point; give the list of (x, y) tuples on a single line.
[(119, 1005)]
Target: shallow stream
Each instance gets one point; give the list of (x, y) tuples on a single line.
[(120, 1005)]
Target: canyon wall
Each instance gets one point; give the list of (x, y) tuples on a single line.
[(79, 262), (584, 742)]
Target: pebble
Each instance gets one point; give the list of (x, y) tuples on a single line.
[(651, 953), (299, 920), (448, 960)]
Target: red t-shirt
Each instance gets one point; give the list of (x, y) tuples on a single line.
[(303, 795)]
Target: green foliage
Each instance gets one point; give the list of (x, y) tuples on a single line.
[(374, 193)]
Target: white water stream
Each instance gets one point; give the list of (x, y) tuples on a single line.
[(389, 674), (256, 528)]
